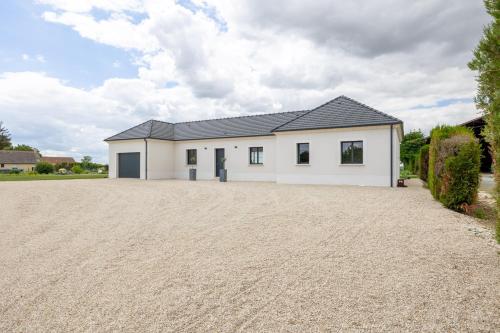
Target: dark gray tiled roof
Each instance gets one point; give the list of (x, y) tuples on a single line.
[(18, 157), (340, 112), (150, 129), (233, 127)]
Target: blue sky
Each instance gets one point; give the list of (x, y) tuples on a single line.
[(73, 72), (80, 61)]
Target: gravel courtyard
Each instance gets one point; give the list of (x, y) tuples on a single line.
[(177, 256)]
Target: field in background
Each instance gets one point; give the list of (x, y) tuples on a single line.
[(26, 177)]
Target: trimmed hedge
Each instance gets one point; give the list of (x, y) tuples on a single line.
[(44, 167), (454, 166), (423, 163), (461, 176)]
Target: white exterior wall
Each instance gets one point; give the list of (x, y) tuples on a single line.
[(168, 159), (237, 159), (397, 137), (325, 157), (126, 146), (160, 159)]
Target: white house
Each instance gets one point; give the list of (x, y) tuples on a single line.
[(339, 142)]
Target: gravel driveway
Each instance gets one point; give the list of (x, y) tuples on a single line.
[(176, 256)]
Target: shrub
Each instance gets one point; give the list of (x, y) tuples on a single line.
[(479, 213), (405, 174), (439, 134), (409, 148), (15, 171), (44, 167), (460, 181), (77, 169), (454, 163), (64, 165), (423, 163)]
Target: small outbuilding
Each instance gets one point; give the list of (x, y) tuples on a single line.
[(477, 125), (58, 160), (20, 160)]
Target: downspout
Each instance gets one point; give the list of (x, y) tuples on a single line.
[(392, 164), (146, 164)]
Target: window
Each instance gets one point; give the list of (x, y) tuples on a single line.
[(2, 165), (302, 153), (352, 152), (256, 155), (191, 156)]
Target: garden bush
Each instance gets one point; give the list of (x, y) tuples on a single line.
[(44, 167), (77, 169), (15, 171), (64, 165), (460, 181), (454, 163), (423, 162), (439, 134)]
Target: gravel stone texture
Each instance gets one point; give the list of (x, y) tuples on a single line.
[(179, 256)]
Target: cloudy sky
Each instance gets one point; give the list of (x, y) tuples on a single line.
[(73, 72)]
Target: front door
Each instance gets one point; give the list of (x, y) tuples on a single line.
[(219, 164)]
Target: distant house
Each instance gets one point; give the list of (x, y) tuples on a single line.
[(340, 142), (57, 160), (14, 159), (477, 126)]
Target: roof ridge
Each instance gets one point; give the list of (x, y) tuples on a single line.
[(369, 107), (162, 121), (17, 151), (150, 128), (246, 116), (274, 129), (128, 129)]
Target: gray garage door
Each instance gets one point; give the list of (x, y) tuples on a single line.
[(129, 165)]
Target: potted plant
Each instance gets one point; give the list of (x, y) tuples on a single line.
[(223, 171), (192, 173)]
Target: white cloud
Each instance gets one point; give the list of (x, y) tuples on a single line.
[(118, 30), (274, 56), (38, 57)]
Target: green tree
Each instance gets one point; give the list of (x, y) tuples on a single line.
[(4, 137), (86, 159), (410, 148), (86, 163), (486, 62), (23, 148), (44, 167)]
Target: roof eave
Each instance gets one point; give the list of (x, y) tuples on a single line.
[(334, 127)]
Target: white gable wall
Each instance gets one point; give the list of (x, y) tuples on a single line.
[(325, 157), (396, 137), (126, 146)]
